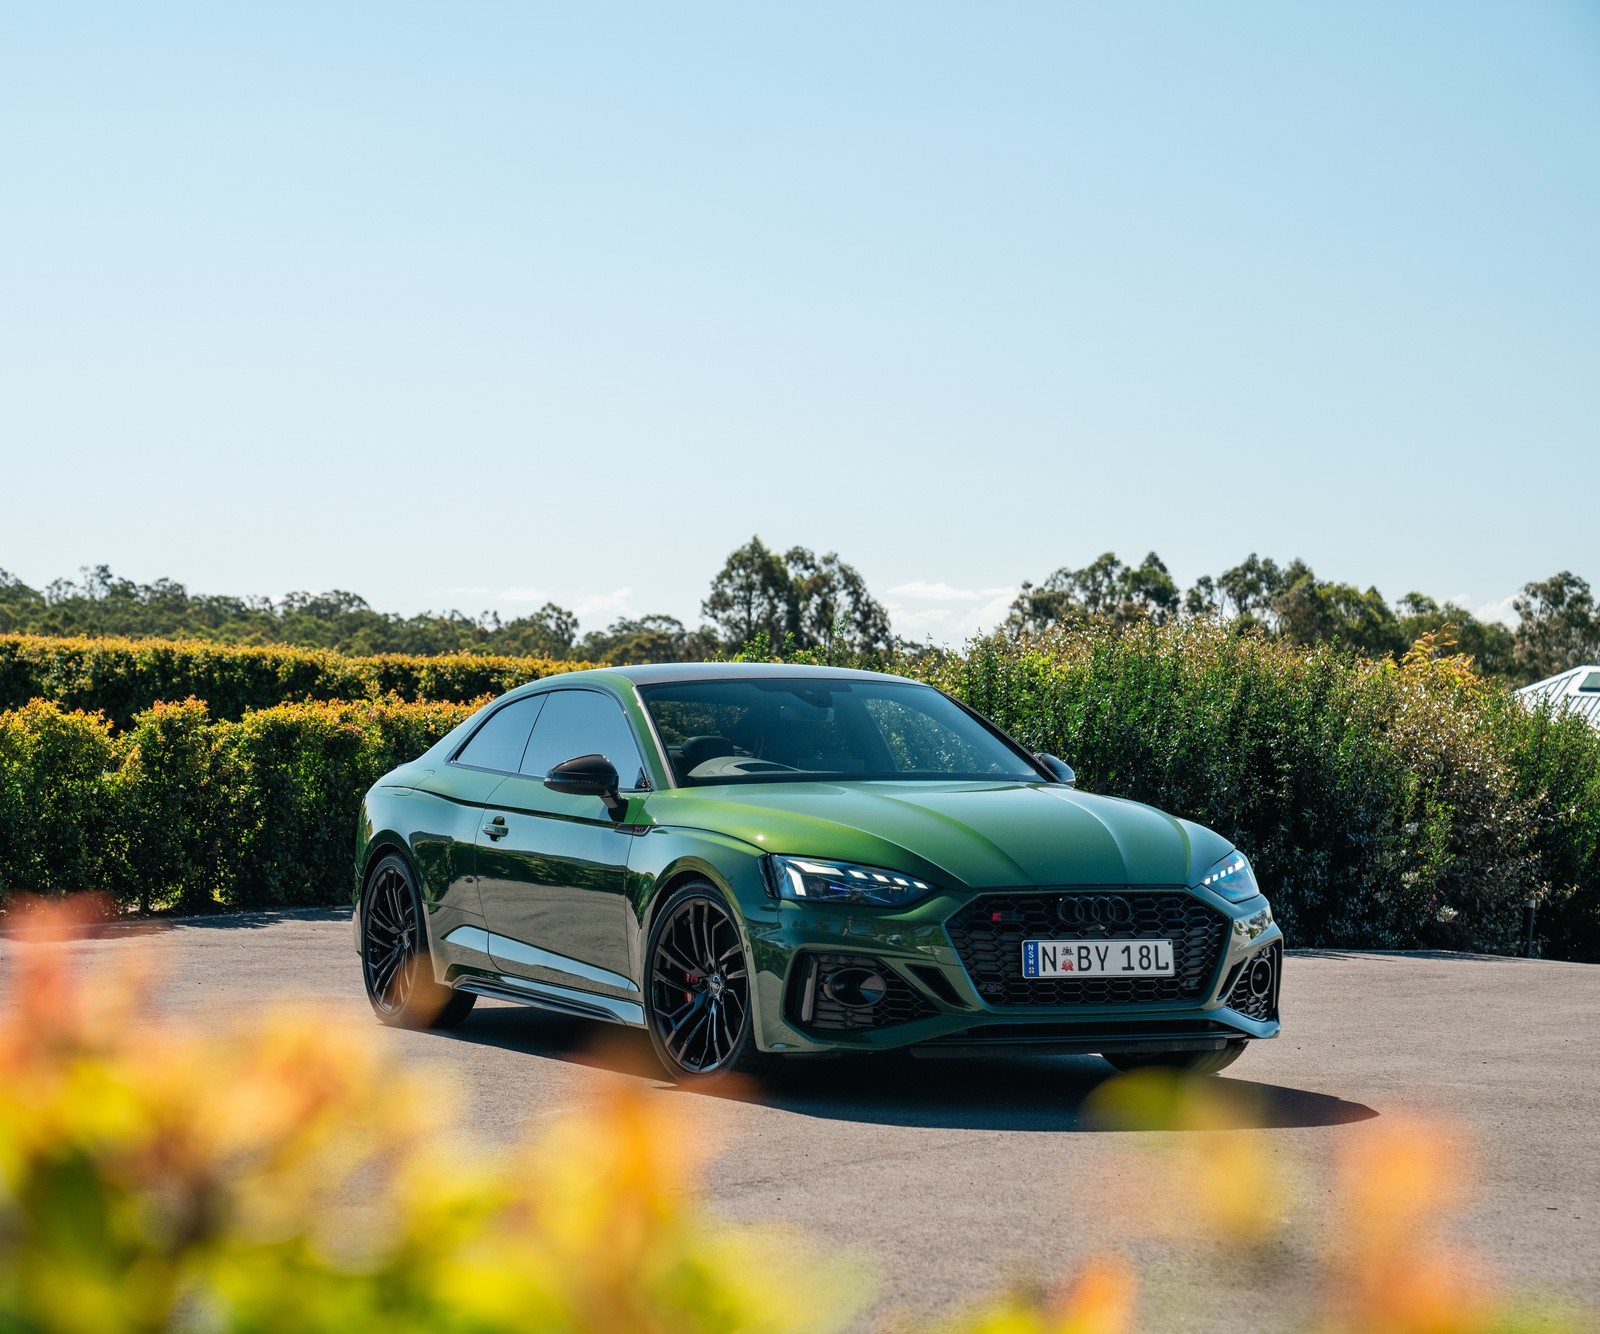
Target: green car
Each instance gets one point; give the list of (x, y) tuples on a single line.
[(758, 861)]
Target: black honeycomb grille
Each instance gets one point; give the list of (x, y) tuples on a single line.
[(988, 935), (813, 1008)]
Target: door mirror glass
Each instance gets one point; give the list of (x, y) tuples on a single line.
[(1060, 770), (588, 776)]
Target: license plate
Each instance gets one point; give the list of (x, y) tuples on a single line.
[(1097, 958)]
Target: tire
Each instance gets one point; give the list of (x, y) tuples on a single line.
[(1191, 1062), (395, 963), (697, 990)]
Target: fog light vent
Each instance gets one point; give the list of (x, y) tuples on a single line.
[(1252, 987), (841, 992), (856, 988)]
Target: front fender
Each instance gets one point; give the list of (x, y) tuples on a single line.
[(666, 857)]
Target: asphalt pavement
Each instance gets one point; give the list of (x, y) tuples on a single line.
[(948, 1178)]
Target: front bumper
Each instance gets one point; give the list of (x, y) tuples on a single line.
[(949, 981)]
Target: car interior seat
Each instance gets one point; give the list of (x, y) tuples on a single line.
[(698, 749)]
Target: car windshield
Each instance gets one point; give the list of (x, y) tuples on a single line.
[(816, 729)]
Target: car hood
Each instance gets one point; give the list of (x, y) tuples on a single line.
[(967, 834)]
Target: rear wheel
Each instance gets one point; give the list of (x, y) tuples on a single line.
[(1192, 1062), (395, 962), (697, 990)]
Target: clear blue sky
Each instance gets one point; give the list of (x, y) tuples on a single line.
[(472, 305)]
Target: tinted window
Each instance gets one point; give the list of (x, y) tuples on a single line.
[(584, 722), (820, 729), (923, 740), (499, 743)]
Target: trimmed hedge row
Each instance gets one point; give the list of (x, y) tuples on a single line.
[(123, 677), (183, 811), (1384, 805)]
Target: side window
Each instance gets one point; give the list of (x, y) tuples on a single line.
[(583, 722), (499, 743)]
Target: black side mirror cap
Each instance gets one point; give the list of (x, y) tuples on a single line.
[(589, 776), (1059, 770)]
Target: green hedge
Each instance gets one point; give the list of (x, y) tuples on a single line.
[(1555, 763), (1385, 805), (183, 811), (123, 677), (58, 800)]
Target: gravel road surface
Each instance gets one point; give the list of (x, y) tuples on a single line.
[(950, 1177)]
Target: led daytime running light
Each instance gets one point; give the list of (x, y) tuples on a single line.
[(1231, 876), (810, 881), (1222, 872)]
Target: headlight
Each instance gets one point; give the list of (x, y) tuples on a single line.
[(806, 880), (1232, 877)]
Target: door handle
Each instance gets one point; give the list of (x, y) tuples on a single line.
[(496, 828)]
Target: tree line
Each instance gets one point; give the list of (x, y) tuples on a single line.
[(806, 601), (1558, 623), (794, 597)]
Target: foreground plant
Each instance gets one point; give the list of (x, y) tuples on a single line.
[(284, 1174), (1390, 1265)]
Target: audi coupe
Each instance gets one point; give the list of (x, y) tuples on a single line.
[(756, 862)]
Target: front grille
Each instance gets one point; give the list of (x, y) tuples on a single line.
[(988, 935), (812, 1007), (1237, 994)]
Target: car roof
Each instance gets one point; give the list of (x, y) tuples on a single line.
[(661, 673)]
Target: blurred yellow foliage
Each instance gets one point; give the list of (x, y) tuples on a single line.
[(1213, 1173), (281, 1173), (1103, 1299), (1391, 1271), (1390, 1268)]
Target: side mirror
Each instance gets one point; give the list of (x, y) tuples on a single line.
[(1059, 770), (589, 776)]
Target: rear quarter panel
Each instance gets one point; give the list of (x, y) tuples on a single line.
[(436, 837)]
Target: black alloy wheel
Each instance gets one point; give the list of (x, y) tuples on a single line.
[(698, 991), (395, 962)]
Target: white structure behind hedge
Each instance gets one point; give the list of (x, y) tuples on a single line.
[(1577, 690)]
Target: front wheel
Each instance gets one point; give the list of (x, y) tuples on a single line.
[(697, 990), (1190, 1062), (395, 962)]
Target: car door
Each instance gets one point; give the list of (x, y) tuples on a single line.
[(552, 866), (466, 783)]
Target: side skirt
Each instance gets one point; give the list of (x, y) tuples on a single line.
[(561, 1000)]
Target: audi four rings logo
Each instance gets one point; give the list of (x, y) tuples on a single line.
[(1097, 910)]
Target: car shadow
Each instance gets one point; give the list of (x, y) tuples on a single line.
[(1000, 1092)]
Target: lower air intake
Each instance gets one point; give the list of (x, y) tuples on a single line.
[(1252, 986), (842, 993)]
